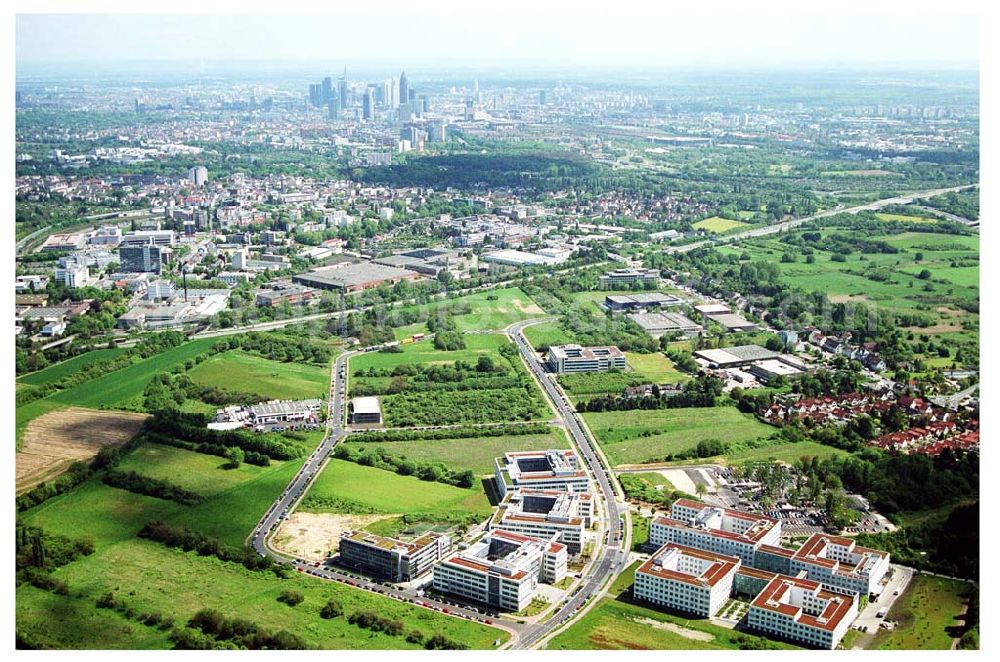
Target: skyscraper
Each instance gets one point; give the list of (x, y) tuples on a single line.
[(316, 95), (327, 89), (342, 89), (333, 108), (368, 105), (404, 88)]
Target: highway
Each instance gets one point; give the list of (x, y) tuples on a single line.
[(794, 223), (610, 556)]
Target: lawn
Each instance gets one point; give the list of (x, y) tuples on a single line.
[(424, 352), (271, 380), (151, 577), (491, 309), (634, 437), (348, 487), (474, 453), (619, 625), (656, 368), (719, 225), (56, 372), (930, 607), (544, 335)]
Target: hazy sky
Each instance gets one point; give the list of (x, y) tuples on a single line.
[(567, 38)]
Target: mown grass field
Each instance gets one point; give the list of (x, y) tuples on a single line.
[(475, 453), (655, 367), (56, 372), (903, 218), (635, 437), (355, 488), (272, 380), (544, 335), (424, 352), (151, 577), (492, 309), (928, 614), (719, 225)]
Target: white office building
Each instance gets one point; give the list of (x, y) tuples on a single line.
[(540, 470), (720, 530), (801, 610), (686, 579), (546, 513), (840, 564), (502, 569), (574, 358)]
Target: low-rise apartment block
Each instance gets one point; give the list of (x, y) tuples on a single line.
[(502, 570)]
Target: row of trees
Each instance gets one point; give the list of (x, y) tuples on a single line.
[(429, 471)]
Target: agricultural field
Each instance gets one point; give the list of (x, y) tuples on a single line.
[(421, 385), (121, 389), (64, 368), (904, 218), (476, 454), (346, 487), (719, 225), (271, 380), (636, 437), (55, 440), (928, 613)]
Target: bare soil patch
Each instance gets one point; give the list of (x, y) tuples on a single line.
[(55, 440), (845, 298), (312, 536), (533, 309), (687, 633)]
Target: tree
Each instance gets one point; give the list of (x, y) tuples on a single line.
[(331, 609), (291, 598), (235, 456)]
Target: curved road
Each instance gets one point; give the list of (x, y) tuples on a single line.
[(611, 558)]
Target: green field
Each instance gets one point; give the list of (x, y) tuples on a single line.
[(56, 372), (549, 333), (356, 488), (928, 614), (634, 437), (424, 352), (493, 309), (719, 225), (655, 367), (619, 625), (151, 577), (271, 380), (904, 218), (121, 389), (458, 454)]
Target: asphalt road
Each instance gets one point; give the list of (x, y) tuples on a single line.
[(311, 468), (786, 225), (611, 558)]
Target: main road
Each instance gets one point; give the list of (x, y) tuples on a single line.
[(609, 553)]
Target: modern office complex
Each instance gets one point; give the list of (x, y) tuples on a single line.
[(713, 529), (840, 564), (628, 277), (574, 358), (546, 513), (141, 258), (392, 559), (801, 610), (540, 470), (502, 570), (686, 579)]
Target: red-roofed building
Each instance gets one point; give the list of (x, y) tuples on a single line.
[(686, 579)]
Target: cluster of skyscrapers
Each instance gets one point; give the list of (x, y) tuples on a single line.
[(393, 94)]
